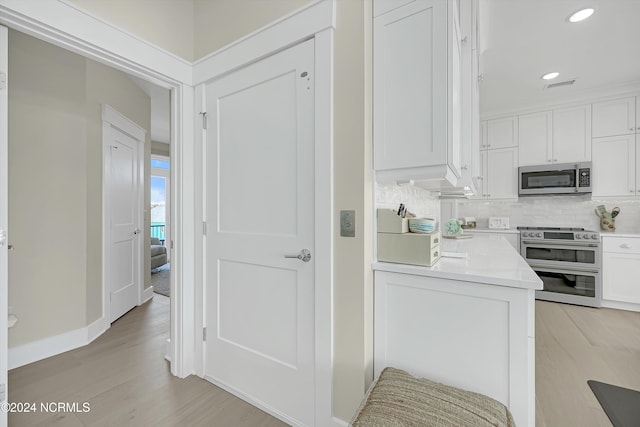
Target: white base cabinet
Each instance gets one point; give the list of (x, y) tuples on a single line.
[(474, 336), (621, 269)]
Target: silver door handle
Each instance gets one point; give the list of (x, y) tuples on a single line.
[(304, 255), (137, 231)]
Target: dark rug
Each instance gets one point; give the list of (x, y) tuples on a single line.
[(160, 280), (622, 405)]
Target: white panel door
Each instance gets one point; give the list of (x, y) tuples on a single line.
[(534, 134), (4, 220), (614, 166), (259, 304), (572, 134), (124, 191), (617, 117)]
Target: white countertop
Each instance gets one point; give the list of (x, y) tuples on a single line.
[(493, 230), (489, 260), (614, 234)]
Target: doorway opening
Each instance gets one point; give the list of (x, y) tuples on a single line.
[(160, 228)]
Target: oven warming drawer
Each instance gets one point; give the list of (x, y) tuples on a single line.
[(578, 287)]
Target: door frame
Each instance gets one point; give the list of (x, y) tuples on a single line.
[(315, 21), (4, 222), (68, 26), (113, 119)]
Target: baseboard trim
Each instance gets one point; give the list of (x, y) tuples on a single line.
[(629, 306), (51, 346), (340, 422), (147, 294), (167, 355)]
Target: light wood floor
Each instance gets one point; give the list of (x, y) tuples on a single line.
[(575, 344), (125, 379)]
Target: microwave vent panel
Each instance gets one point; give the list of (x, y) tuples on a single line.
[(564, 83)]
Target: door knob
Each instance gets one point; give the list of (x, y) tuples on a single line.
[(304, 255), (137, 231)]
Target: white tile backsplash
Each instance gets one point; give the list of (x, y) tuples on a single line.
[(556, 211), (418, 201)]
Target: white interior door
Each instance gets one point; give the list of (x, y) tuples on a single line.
[(259, 304), (4, 220), (123, 199)]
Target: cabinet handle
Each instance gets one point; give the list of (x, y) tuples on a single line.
[(555, 160), (488, 145), (464, 168), (625, 246), (631, 128), (463, 40)]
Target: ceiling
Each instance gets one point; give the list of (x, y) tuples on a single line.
[(523, 39), (160, 109)]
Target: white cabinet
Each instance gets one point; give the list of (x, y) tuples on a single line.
[(615, 165), (383, 6), (417, 94), (617, 117), (535, 138), (559, 136), (502, 133), (571, 134), (621, 269), (466, 334), (499, 174)]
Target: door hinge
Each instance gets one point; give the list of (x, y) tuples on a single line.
[(3, 80), (172, 244), (204, 120), (204, 228), (2, 392), (204, 334)]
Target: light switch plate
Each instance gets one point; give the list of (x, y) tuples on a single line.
[(348, 223)]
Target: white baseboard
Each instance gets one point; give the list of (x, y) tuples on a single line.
[(51, 346), (340, 422), (147, 294), (629, 306), (167, 355)]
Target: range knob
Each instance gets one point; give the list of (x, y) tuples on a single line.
[(538, 234), (585, 236), (594, 236), (578, 236)]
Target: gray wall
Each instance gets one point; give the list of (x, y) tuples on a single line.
[(55, 184)]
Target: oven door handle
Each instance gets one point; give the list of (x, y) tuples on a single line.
[(561, 269), (538, 243)]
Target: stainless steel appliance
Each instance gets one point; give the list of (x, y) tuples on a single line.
[(565, 178), (568, 260)]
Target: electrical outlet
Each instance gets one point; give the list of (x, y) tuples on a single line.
[(348, 223)]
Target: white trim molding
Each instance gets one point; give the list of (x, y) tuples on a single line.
[(147, 295), (51, 346)]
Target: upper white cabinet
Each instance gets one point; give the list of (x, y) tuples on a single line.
[(499, 177), (383, 6), (417, 91), (502, 133), (617, 117), (535, 136), (615, 165), (571, 134), (559, 136)]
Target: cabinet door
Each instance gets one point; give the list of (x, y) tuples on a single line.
[(572, 134), (534, 135), (483, 135), (502, 173), (614, 166), (620, 274), (410, 86), (617, 117), (481, 180), (502, 133)]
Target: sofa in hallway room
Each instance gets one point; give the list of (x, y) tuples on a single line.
[(158, 253)]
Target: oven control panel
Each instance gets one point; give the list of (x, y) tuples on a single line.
[(589, 236)]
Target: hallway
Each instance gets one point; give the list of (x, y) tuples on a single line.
[(126, 381)]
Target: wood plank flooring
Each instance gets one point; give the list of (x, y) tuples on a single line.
[(127, 382), (575, 344)]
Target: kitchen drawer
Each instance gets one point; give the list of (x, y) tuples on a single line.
[(628, 245)]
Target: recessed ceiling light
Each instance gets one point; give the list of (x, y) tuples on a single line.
[(581, 15), (550, 76)]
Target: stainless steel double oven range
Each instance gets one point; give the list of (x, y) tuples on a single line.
[(568, 260)]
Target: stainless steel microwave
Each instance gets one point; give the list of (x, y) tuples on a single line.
[(563, 178)]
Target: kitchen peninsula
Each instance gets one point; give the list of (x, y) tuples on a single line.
[(468, 321)]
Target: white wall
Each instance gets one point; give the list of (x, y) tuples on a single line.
[(55, 184), (556, 211)]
